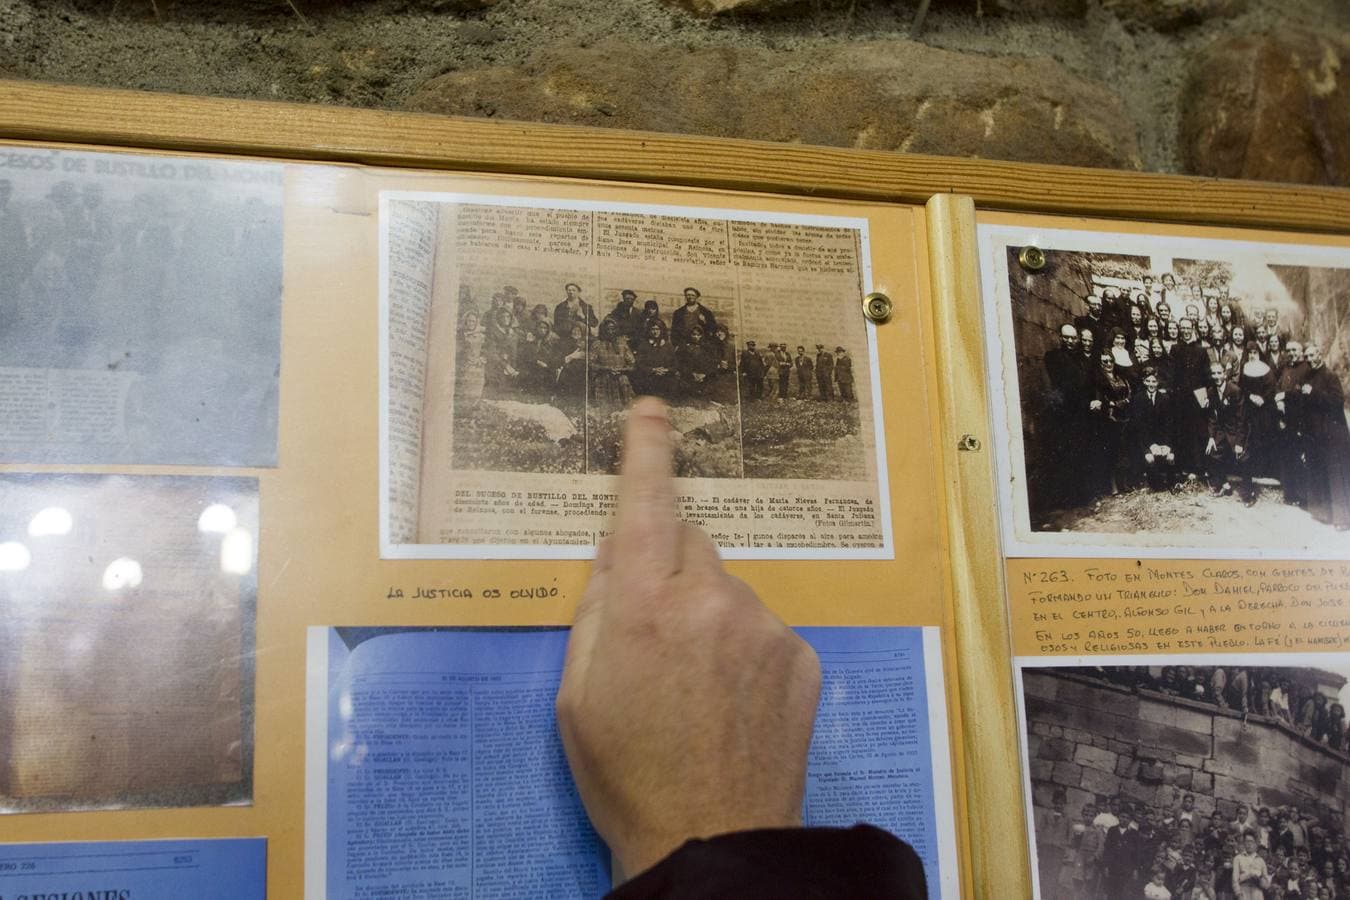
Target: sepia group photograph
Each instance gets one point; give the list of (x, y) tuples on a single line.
[(545, 386), (1162, 396), (1225, 776)]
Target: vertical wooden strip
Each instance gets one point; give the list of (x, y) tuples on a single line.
[(994, 810)]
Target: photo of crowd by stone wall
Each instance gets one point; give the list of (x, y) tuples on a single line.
[(1183, 782), (1182, 396)]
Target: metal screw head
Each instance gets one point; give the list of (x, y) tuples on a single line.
[(1031, 258), (968, 442), (877, 307)]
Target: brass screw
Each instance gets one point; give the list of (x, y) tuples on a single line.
[(877, 307), (1031, 258), (968, 443)]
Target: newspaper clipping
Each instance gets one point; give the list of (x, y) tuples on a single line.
[(517, 332), (140, 309)]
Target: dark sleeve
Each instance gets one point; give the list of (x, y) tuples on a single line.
[(785, 864)]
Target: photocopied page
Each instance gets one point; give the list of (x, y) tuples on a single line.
[(879, 753), (126, 641), (435, 767), (549, 316), (140, 318), (219, 869), (445, 774)]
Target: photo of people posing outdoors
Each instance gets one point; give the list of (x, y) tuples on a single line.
[(1188, 782), (544, 386), (1181, 397)]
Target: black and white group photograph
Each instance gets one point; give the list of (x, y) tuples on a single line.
[(544, 378), (140, 318), (1180, 401), (1189, 782)]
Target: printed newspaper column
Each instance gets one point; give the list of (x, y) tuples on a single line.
[(409, 255), (546, 318)]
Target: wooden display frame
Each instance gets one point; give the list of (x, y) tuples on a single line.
[(952, 189)]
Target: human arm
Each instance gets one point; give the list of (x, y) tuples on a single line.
[(686, 708)]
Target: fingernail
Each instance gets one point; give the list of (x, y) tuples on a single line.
[(651, 408)]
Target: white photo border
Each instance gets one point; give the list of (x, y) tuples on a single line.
[(1019, 540), (391, 550), (1022, 663)]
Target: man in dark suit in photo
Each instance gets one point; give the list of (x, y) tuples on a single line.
[(1190, 379), (1226, 447), (824, 373), (1151, 450), (574, 309), (693, 313)]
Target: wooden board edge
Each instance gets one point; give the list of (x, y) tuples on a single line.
[(1000, 862), (32, 111)]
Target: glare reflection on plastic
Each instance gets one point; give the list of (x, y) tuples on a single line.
[(52, 521), (122, 573), (236, 552), (217, 519), (14, 557)]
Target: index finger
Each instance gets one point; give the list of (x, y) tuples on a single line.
[(647, 532)]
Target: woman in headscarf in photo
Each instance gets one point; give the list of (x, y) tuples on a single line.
[(1171, 335), (499, 353), (655, 373), (570, 392), (697, 363), (539, 369), (1135, 326), (612, 363), (651, 312), (469, 357)]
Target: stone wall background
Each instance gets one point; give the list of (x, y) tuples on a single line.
[(1098, 740), (1235, 88)]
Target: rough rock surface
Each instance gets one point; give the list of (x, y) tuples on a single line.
[(686, 419), (1273, 107), (891, 95), (552, 420), (1025, 8), (1022, 9), (741, 7), (1170, 15)]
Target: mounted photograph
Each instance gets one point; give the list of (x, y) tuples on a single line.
[(1222, 777), (1157, 396), (516, 335)]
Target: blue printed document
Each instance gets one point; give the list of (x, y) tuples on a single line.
[(435, 768), (219, 869)]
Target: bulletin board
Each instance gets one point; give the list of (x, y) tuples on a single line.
[(321, 557)]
